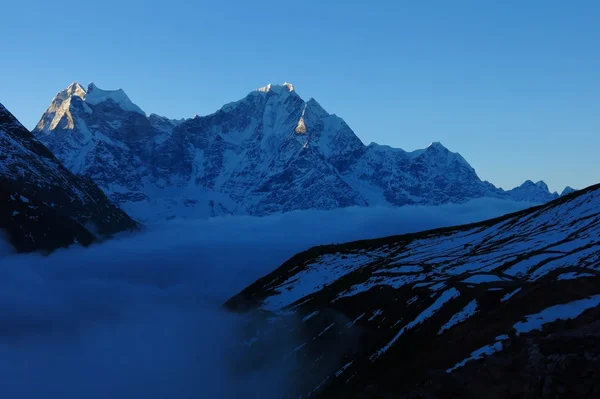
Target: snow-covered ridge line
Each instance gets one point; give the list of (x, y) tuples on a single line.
[(94, 96), (266, 153)]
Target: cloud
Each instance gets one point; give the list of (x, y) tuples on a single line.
[(141, 316)]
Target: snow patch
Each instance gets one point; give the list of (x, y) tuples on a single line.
[(481, 352), (510, 295), (469, 310), (310, 316), (324, 271), (565, 311), (574, 275), (344, 368)]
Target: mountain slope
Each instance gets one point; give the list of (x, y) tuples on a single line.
[(268, 152), (390, 316), (44, 206)]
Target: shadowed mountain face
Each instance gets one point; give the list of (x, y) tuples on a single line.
[(268, 152), (412, 315), (44, 206)]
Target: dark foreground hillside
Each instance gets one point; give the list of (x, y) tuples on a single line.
[(43, 206), (502, 308)]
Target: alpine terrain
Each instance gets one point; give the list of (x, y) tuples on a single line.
[(43, 205), (268, 152), (503, 308)]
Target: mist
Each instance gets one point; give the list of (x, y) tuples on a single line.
[(140, 316)]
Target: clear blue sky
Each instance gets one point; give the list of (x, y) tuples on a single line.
[(514, 86)]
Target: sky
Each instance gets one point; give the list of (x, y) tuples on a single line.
[(140, 316), (513, 86)]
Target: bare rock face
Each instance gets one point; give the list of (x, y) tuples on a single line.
[(269, 152), (502, 308), (43, 205)]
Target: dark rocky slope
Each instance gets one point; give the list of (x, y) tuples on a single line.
[(411, 315), (43, 206)]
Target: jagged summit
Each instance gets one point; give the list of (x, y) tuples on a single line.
[(277, 88), (94, 95), (437, 145), (74, 89), (539, 184), (535, 192), (74, 99)]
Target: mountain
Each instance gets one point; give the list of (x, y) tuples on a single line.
[(268, 152), (43, 206), (533, 192), (567, 190), (412, 315)]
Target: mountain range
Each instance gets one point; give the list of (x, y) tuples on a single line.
[(506, 308), (268, 152)]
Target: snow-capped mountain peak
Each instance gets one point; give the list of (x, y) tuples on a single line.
[(534, 192), (437, 146), (439, 155), (315, 108), (567, 190), (74, 99), (74, 89), (94, 96), (289, 86), (541, 184), (265, 89), (58, 112), (286, 87)]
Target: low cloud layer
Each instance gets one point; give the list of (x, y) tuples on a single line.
[(140, 316)]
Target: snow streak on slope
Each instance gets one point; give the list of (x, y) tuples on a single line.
[(461, 316), (480, 353)]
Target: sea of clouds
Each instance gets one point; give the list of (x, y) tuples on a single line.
[(140, 316)]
